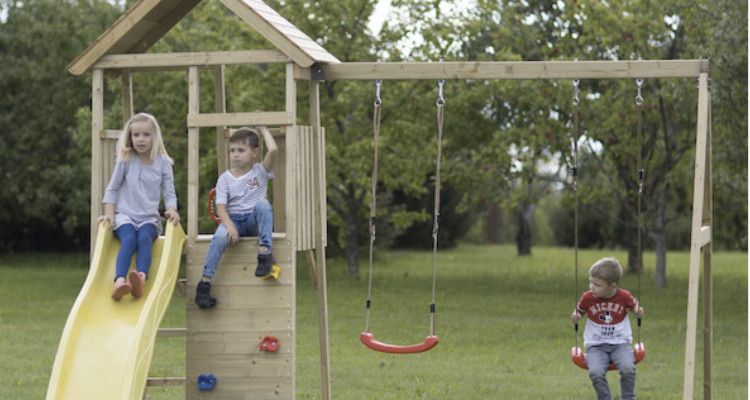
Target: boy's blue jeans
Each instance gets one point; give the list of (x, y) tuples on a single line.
[(598, 358), (132, 240), (258, 223)]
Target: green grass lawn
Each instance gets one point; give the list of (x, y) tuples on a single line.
[(502, 319)]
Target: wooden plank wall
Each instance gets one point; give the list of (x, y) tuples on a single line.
[(306, 229), (224, 340)]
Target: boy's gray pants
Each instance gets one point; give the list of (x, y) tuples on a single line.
[(598, 358)]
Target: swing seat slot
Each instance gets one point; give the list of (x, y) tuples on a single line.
[(369, 340), (579, 357)]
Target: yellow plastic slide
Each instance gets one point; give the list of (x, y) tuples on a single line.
[(106, 346)]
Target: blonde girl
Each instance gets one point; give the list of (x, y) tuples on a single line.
[(142, 175)]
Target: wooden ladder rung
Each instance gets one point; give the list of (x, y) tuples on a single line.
[(166, 381), (181, 286), (171, 332)]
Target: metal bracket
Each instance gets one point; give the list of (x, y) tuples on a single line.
[(316, 72)]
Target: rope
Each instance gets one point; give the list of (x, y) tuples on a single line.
[(373, 201), (641, 173), (574, 173), (436, 210)]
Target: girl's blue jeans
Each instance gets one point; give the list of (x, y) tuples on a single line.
[(132, 240), (257, 223)]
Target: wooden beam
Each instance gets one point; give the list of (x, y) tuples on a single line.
[(708, 285), (116, 32), (97, 127), (220, 106), (510, 70), (177, 61), (280, 118), (193, 152), (311, 268), (127, 95), (135, 31), (695, 247), (268, 31), (319, 243), (166, 17), (112, 134)]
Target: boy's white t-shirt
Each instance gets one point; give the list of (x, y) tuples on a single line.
[(240, 194), (607, 321)]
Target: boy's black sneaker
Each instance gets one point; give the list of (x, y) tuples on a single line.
[(203, 296), (265, 262)]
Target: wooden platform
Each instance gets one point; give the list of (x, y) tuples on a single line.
[(224, 340)]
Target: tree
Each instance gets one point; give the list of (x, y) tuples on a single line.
[(44, 176)]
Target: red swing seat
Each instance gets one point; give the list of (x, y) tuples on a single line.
[(369, 340), (579, 357)]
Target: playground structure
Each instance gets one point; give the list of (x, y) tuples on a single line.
[(225, 346)]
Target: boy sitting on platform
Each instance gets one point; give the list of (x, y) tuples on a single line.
[(242, 206)]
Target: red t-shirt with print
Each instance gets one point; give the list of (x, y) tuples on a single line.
[(607, 318)]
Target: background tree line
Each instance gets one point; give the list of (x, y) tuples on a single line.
[(507, 144)]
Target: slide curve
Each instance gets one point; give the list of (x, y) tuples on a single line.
[(106, 346)]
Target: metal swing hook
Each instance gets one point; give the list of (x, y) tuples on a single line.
[(441, 98), (378, 101), (639, 97)]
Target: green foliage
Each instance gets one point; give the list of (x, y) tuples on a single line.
[(43, 173), (506, 143)]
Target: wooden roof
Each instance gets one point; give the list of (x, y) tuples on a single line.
[(148, 20)]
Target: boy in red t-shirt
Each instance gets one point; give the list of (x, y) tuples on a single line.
[(607, 335)]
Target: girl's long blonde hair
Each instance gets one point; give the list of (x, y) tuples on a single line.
[(125, 143)]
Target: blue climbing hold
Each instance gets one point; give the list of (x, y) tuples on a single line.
[(206, 382)]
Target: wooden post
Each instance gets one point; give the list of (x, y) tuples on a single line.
[(320, 250), (311, 268), (127, 95), (697, 234), (193, 147), (708, 295), (220, 95), (291, 144), (97, 126)]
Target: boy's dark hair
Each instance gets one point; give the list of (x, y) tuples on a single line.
[(607, 269), (246, 135)]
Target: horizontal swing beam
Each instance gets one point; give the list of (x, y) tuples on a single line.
[(180, 61), (488, 70)]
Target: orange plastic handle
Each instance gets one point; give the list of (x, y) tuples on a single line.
[(579, 357), (212, 206), (369, 341)]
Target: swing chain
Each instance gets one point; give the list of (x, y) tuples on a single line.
[(378, 101), (576, 100)]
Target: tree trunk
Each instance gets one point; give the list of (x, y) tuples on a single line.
[(494, 224), (524, 213)]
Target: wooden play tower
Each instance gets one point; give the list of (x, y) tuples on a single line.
[(225, 341)]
